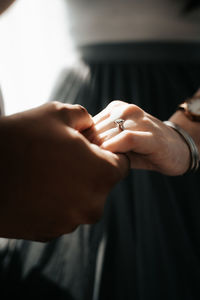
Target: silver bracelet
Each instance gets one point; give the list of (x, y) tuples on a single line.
[(194, 153)]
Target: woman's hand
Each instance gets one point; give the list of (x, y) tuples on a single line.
[(149, 143)]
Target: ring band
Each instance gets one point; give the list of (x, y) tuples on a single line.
[(120, 124)]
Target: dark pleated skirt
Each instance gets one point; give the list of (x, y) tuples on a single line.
[(151, 225)]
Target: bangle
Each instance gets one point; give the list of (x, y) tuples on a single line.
[(194, 153)]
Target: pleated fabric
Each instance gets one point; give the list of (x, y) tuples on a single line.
[(151, 223)]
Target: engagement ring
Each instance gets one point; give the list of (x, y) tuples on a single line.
[(120, 124)]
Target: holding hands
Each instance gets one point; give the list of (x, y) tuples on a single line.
[(59, 164)]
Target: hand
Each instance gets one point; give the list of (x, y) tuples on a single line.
[(52, 179), (149, 143)]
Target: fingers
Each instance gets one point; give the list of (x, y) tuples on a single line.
[(108, 134), (105, 113), (127, 140), (105, 125), (116, 165), (79, 118), (105, 120), (135, 145), (75, 116)]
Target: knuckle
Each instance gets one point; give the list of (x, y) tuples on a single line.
[(128, 137), (95, 139), (59, 109), (146, 122), (64, 114), (70, 113), (131, 109), (63, 108), (63, 111), (80, 108), (56, 105), (115, 103)]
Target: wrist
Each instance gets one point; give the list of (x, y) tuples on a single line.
[(189, 131), (191, 127)]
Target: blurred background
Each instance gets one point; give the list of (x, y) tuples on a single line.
[(34, 46), (37, 36)]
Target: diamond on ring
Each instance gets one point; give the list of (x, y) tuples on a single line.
[(120, 124)]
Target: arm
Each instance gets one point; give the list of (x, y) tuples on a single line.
[(51, 175)]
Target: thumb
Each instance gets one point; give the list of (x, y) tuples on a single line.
[(77, 117)]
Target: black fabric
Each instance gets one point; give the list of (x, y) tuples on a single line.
[(155, 52), (61, 269), (192, 5), (152, 221)]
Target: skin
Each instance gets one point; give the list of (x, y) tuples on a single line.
[(148, 142), (52, 176)]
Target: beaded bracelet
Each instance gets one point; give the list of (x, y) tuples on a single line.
[(194, 153)]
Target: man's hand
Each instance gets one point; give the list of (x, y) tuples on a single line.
[(52, 178)]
